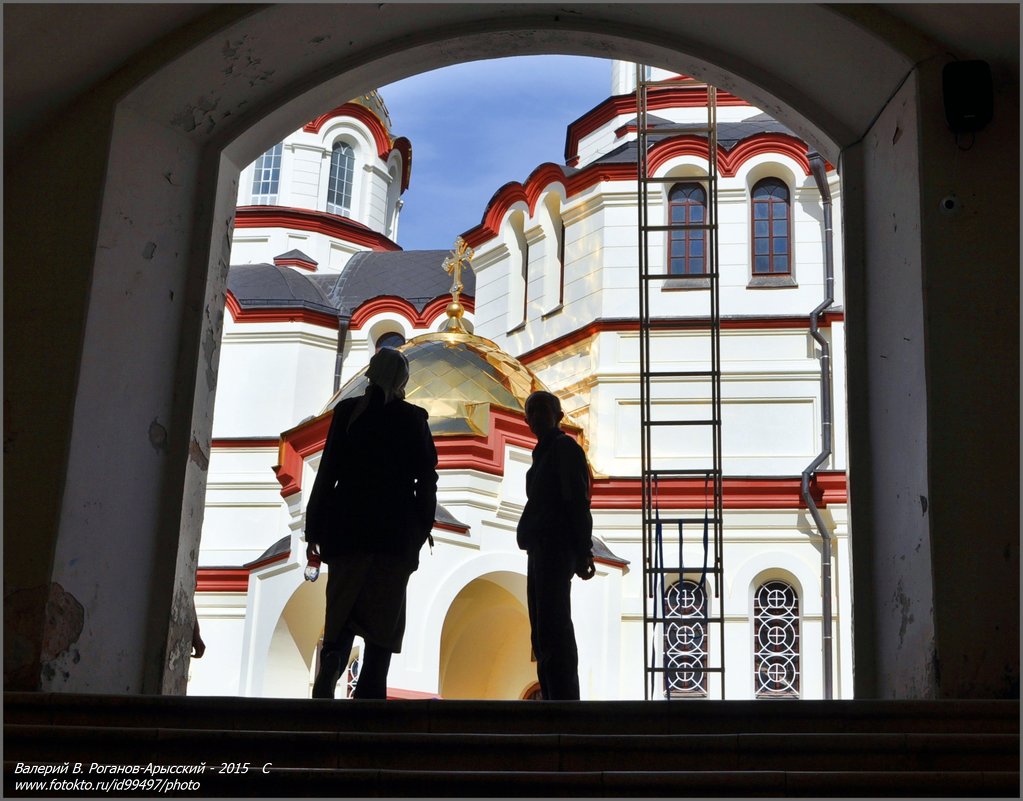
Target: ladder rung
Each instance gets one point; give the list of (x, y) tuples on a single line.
[(711, 422), (675, 82), (713, 471), (667, 276), (676, 129), (680, 227), (683, 373), (663, 519)]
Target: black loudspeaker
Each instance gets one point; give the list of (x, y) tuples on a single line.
[(969, 97)]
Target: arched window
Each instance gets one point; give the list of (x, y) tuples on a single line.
[(771, 238), (685, 640), (266, 177), (391, 339), (339, 185), (776, 640), (561, 263), (687, 204)]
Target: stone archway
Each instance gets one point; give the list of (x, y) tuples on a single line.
[(147, 372)]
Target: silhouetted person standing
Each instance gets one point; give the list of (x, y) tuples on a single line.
[(371, 508), (556, 532)]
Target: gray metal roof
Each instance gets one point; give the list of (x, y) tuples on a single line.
[(262, 286), (729, 135), (298, 255), (418, 276)]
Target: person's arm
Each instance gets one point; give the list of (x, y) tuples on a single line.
[(426, 478), (574, 477), (326, 478)]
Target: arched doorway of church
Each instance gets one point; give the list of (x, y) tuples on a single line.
[(484, 647), (291, 658)]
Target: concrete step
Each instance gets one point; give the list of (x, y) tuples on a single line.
[(150, 746), (516, 752), (511, 717)]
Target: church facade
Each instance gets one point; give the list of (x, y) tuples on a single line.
[(318, 281)]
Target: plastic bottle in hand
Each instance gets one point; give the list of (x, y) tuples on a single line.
[(312, 568)]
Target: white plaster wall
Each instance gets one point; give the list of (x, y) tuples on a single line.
[(222, 626), (272, 376), (261, 245)]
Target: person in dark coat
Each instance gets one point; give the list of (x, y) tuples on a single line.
[(556, 532), (371, 508)]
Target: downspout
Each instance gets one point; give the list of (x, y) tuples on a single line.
[(818, 169), (344, 317)]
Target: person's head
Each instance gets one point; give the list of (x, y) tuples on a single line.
[(388, 371), (543, 412)]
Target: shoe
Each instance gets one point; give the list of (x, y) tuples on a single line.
[(330, 673)]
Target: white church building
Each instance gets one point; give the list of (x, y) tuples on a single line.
[(319, 281)]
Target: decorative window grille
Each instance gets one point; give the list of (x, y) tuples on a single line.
[(352, 677), (776, 640), (339, 185), (771, 240), (685, 640), (687, 204), (266, 177)]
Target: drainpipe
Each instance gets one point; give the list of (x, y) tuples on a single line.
[(344, 317), (818, 170)]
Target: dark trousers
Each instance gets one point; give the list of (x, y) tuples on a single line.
[(372, 682), (548, 594)]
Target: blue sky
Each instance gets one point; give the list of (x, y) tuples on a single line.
[(476, 126)]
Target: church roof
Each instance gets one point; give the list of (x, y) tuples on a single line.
[(418, 276), (269, 286), (457, 377), (729, 135)]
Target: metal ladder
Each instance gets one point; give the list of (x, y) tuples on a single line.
[(683, 616)]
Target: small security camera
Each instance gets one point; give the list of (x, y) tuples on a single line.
[(949, 204)]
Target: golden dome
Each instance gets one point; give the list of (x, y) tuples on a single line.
[(456, 377)]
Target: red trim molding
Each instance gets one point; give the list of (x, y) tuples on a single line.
[(485, 454), (302, 264), (245, 442), (451, 527), (221, 579), (296, 444), (743, 324), (392, 303), (317, 222), (404, 147), (381, 137), (667, 97), (548, 173), (271, 315), (232, 579), (739, 493)]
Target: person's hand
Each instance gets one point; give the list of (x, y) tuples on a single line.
[(586, 569), (312, 551), (198, 646)]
